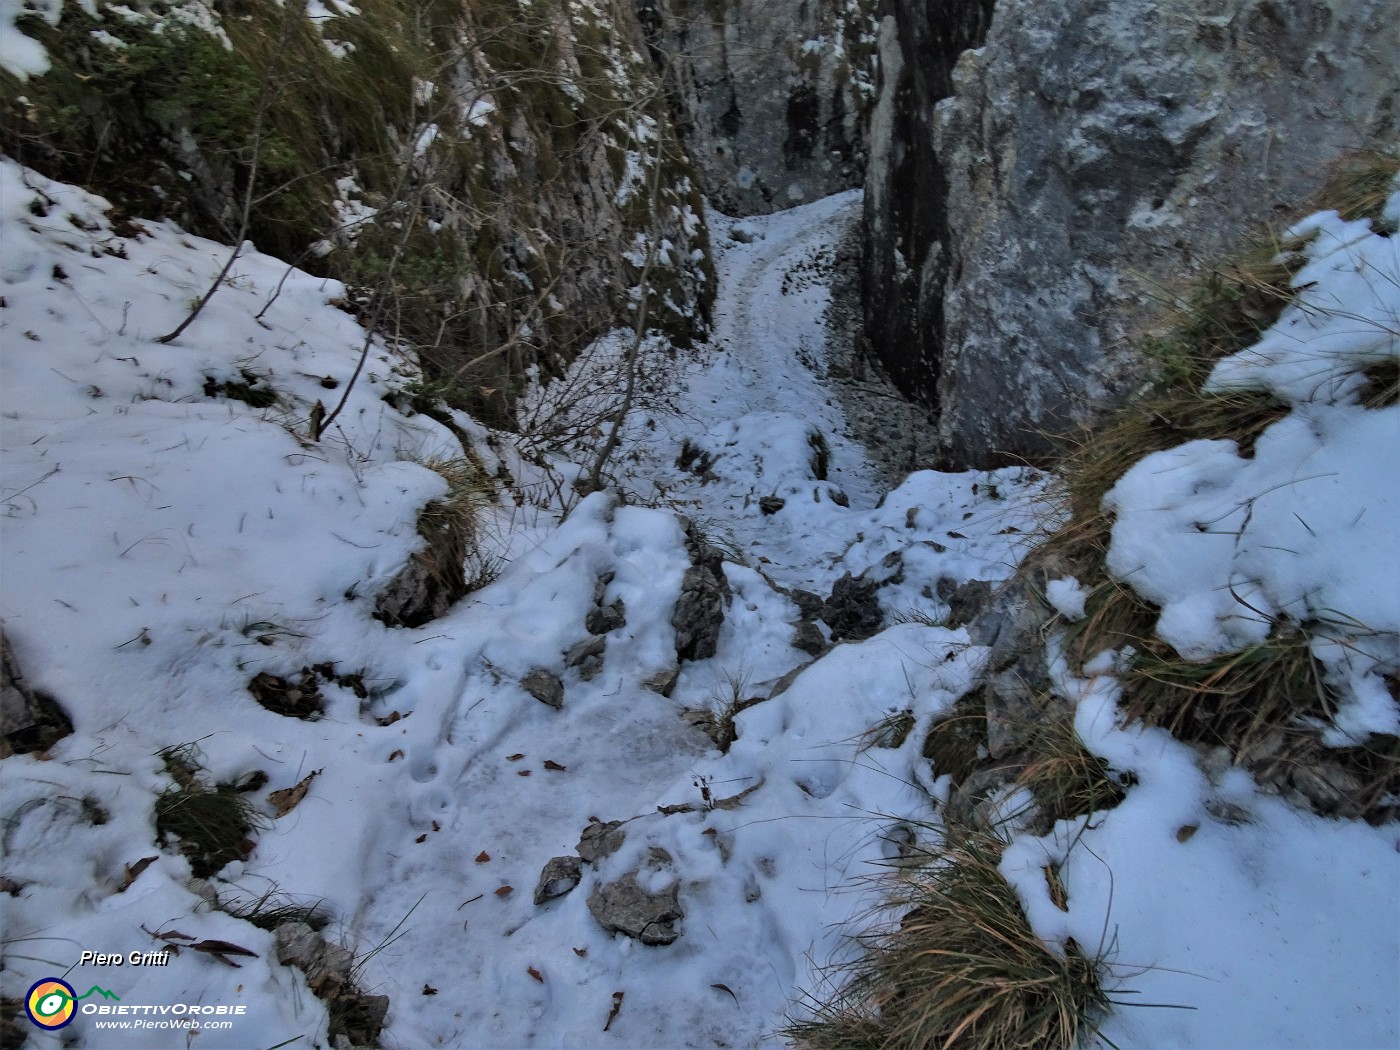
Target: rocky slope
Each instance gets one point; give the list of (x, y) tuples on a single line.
[(482, 175), (1030, 204)]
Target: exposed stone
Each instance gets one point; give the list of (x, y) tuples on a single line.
[(965, 601), (663, 682), (327, 966), (29, 720), (784, 683), (560, 876), (623, 906), (590, 648), (600, 840), (771, 504), (1020, 232), (808, 637), (605, 618), (699, 611), (357, 1018), (809, 605), (431, 583), (1016, 682), (853, 611), (545, 687)]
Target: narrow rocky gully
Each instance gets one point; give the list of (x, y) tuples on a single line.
[(719, 778)]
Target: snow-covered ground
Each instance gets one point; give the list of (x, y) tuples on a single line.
[(162, 546)]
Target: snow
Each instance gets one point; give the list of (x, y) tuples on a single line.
[(163, 545)]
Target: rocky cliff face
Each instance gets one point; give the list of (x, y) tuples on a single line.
[(1091, 155), (772, 99), (905, 261)]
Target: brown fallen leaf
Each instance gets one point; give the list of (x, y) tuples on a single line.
[(522, 772), (616, 1006), (134, 870), (221, 950), (395, 754), (550, 764), (428, 989), (534, 973), (483, 857), (389, 719), (284, 801), (505, 891), (735, 801), (1184, 833), (422, 838), (581, 952), (516, 757), (725, 988), (437, 826)]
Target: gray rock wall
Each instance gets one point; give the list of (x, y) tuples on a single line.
[(904, 262), (1094, 154), (771, 97)]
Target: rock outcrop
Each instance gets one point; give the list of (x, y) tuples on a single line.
[(771, 99), (1086, 157)]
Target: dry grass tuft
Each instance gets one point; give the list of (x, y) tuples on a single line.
[(957, 743), (1231, 699), (212, 825), (1065, 779), (962, 968)]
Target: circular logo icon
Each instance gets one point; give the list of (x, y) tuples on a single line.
[(49, 1003)]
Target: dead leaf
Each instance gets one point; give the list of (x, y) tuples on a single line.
[(169, 935), (134, 870), (549, 764), (284, 801), (389, 719), (505, 891), (534, 973), (726, 988), (483, 857), (428, 989), (422, 838), (437, 826), (522, 773), (735, 801), (396, 753), (616, 1006), (221, 950), (1184, 833), (516, 757), (581, 952)]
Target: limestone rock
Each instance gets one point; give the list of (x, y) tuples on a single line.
[(853, 611), (559, 877), (605, 618), (1027, 201), (601, 840), (663, 682), (699, 611), (587, 654), (808, 637), (624, 906), (965, 601), (545, 687)]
